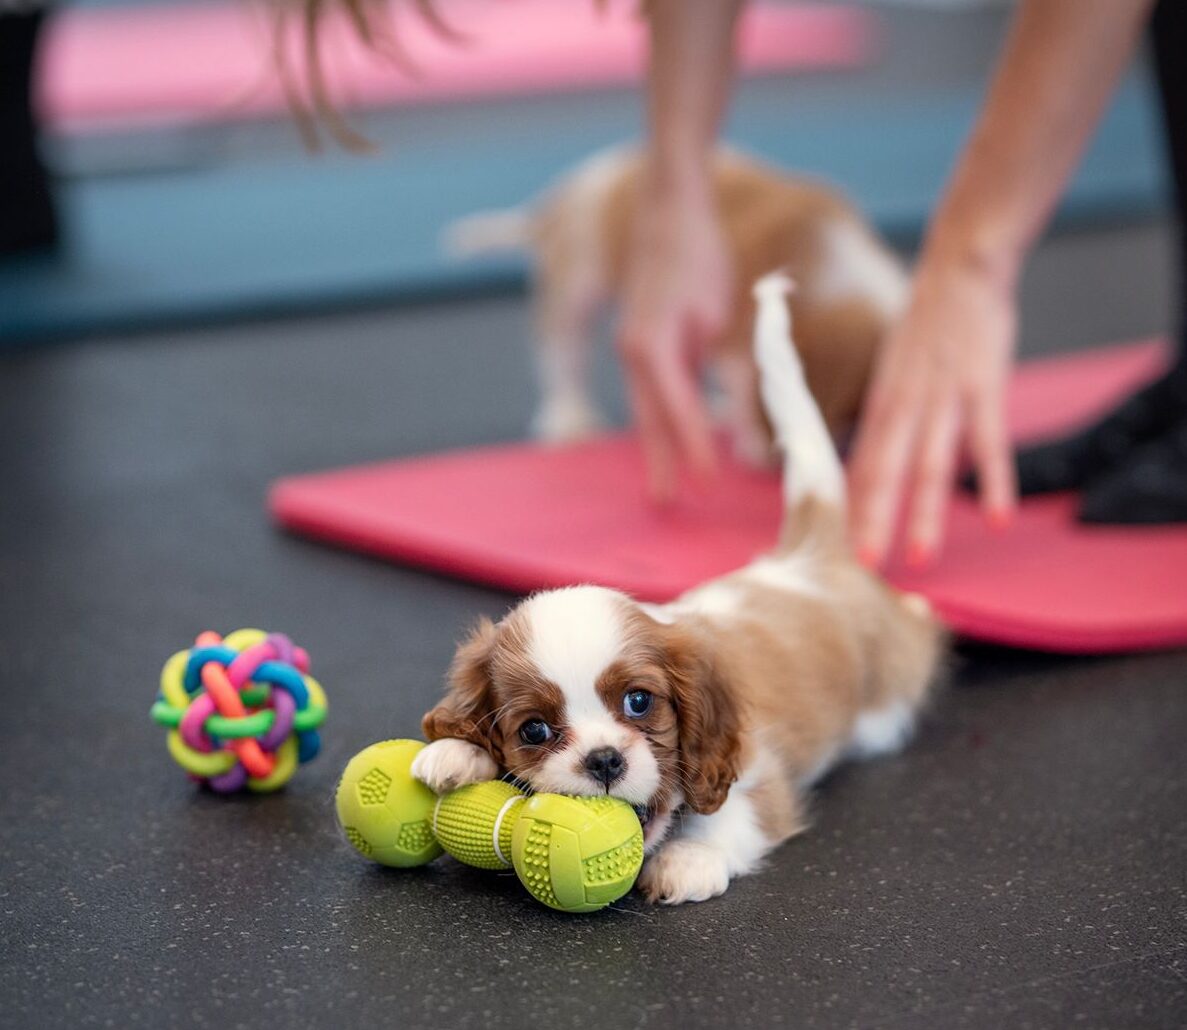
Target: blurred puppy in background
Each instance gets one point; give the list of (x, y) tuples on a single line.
[(849, 286)]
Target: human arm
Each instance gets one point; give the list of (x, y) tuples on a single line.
[(940, 378), (677, 290)]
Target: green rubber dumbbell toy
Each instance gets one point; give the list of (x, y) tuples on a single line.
[(574, 854)]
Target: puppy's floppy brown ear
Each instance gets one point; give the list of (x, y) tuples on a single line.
[(468, 709), (708, 722)]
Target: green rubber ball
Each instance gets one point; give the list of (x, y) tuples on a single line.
[(577, 854), (386, 814)]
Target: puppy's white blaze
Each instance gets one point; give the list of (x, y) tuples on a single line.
[(882, 730), (575, 633), (811, 466), (857, 266)]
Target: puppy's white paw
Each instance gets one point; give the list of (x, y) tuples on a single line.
[(684, 870), (567, 420), (447, 764)]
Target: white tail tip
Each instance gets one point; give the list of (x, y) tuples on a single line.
[(778, 284)]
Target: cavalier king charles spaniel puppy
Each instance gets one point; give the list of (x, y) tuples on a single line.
[(712, 715), (849, 286)]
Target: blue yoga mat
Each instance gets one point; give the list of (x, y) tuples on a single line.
[(275, 232)]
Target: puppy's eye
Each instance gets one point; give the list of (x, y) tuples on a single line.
[(535, 731), (637, 704)]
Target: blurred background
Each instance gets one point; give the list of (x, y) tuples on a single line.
[(184, 192)]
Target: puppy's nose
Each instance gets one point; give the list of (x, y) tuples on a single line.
[(605, 764)]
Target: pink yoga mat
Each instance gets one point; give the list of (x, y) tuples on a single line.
[(525, 517), (210, 61)]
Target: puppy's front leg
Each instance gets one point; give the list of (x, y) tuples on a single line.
[(449, 763), (710, 850)]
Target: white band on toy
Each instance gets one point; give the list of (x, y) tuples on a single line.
[(436, 809), (498, 825)]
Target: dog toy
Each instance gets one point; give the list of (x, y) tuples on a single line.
[(575, 854), (241, 711)]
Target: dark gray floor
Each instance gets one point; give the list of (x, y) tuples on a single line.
[(1023, 864)]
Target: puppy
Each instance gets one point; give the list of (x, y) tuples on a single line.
[(713, 714), (850, 287)]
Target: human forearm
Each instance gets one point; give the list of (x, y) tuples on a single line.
[(1060, 65), (692, 56)]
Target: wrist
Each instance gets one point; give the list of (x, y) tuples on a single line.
[(679, 174), (975, 250)]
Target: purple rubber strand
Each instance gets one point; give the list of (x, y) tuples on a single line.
[(282, 725), (193, 722), (283, 646), (230, 781)]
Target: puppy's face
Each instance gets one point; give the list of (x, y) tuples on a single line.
[(578, 691)]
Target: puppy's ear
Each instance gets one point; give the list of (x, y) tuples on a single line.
[(708, 722), (468, 710)]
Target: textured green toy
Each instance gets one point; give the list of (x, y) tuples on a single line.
[(574, 854)]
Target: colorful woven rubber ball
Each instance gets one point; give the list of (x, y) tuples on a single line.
[(241, 711)]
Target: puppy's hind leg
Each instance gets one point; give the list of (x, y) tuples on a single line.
[(564, 310), (572, 281)]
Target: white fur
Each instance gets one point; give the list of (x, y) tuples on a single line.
[(858, 266), (575, 634), (566, 306), (661, 613), (719, 600), (449, 763), (710, 850), (486, 232), (794, 573), (883, 730), (811, 465)]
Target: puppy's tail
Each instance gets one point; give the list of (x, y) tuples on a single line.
[(488, 232), (811, 468)]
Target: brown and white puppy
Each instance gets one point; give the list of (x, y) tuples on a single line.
[(712, 714), (849, 286)]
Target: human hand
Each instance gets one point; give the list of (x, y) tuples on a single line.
[(676, 299), (939, 382)]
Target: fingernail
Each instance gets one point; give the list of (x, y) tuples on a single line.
[(919, 554), (1000, 519)]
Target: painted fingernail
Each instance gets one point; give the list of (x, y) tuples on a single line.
[(919, 554), (1000, 519)]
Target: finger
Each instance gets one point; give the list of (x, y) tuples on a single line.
[(935, 467), (679, 392), (993, 456), (654, 435), (884, 439)]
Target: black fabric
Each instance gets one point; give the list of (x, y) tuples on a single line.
[(27, 217), (1071, 463), (1169, 45), (1148, 488)]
